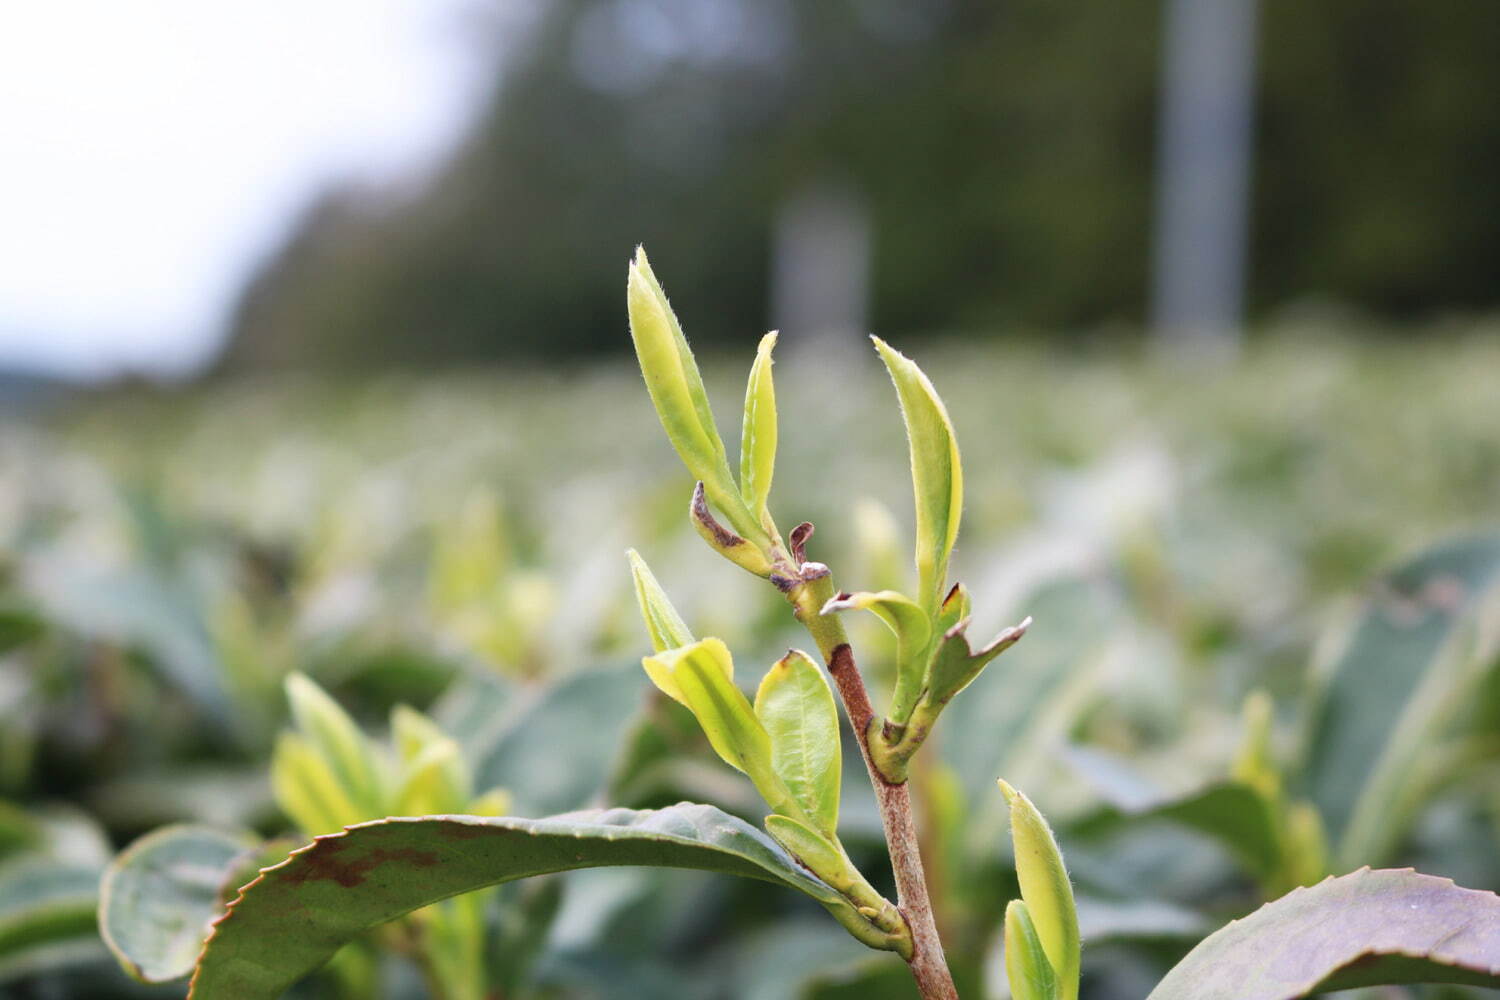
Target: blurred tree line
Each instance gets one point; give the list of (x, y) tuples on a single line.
[(1004, 150)]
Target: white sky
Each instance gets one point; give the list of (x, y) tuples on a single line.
[(151, 151)]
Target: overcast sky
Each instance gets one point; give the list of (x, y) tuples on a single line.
[(151, 151)]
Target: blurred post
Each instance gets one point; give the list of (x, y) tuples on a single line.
[(820, 271), (1203, 168)]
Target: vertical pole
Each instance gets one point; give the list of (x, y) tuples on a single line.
[(820, 270), (1203, 174)]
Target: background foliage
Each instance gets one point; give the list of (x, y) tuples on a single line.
[(1004, 152), (456, 543)]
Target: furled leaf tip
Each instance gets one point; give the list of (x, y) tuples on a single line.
[(664, 625)]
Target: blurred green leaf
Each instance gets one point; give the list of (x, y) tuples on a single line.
[(156, 900), (551, 748), (307, 790), (1403, 672), (1234, 814), (795, 705), (330, 732), (1368, 928), (936, 472), (344, 884), (47, 914)]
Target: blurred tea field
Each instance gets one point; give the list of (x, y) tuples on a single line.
[(1182, 536)]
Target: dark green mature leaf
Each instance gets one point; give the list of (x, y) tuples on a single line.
[(1363, 929), (156, 900), (295, 916), (1395, 682), (46, 914), (140, 609)]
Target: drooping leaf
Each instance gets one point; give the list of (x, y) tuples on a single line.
[(937, 475), (662, 667), (1401, 673), (1026, 964), (677, 391), (758, 434), (664, 625), (47, 914), (795, 705), (912, 627), (1367, 928), (158, 897), (289, 921), (1046, 890), (732, 728)]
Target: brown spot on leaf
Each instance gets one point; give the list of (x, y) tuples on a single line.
[(323, 863)]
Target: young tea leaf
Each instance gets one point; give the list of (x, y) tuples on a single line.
[(955, 663), (795, 705), (937, 475), (1046, 890), (1026, 964), (758, 435), (677, 391), (663, 624), (724, 712), (912, 628)]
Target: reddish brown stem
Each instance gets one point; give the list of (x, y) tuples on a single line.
[(927, 964)]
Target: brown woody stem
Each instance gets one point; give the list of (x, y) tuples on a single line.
[(928, 967)]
